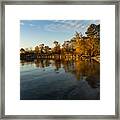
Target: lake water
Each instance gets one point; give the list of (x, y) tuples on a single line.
[(59, 80)]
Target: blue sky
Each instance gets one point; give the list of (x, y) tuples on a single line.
[(35, 32)]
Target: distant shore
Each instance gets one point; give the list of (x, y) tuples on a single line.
[(59, 57)]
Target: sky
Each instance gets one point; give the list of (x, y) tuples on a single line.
[(36, 32)]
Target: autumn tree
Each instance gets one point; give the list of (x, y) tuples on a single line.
[(37, 50), (46, 49), (79, 43), (93, 31), (41, 48), (57, 47), (22, 50)]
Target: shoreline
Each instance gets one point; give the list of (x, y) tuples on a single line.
[(96, 58)]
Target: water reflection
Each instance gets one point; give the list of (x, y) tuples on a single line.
[(87, 70)]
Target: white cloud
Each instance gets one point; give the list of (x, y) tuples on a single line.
[(21, 23), (36, 28), (97, 22), (68, 25), (31, 25)]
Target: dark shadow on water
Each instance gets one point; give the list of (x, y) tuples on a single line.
[(44, 79)]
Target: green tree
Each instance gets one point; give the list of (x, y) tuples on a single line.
[(93, 41)]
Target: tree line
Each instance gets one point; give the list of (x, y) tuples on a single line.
[(77, 46)]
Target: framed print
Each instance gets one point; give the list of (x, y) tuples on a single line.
[(60, 59)]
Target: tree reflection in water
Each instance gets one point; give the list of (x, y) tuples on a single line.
[(88, 70)]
